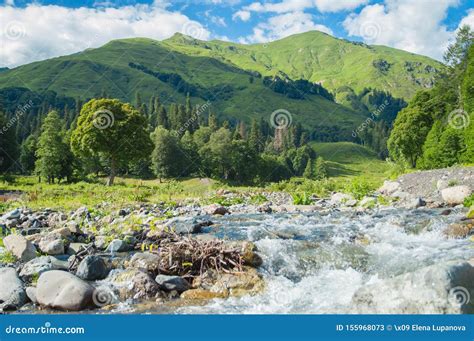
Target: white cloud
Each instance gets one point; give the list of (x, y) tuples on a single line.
[(468, 20), (242, 15), (10, 2), (37, 32), (338, 5), (414, 26), (284, 25), (219, 21), (286, 6)]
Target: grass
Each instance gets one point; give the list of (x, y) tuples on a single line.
[(348, 160), (7, 258), (125, 192)]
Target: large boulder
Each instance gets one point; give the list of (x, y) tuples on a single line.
[(37, 266), (12, 294), (455, 195), (64, 291), (92, 268), (134, 283), (438, 289), (52, 245), (146, 261), (21, 247)]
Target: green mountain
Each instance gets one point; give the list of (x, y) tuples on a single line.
[(237, 80), (319, 57)]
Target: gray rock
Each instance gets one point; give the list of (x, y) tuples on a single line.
[(118, 245), (215, 209), (415, 203), (64, 291), (15, 214), (170, 283), (389, 187), (31, 293), (101, 242), (12, 293), (455, 195), (39, 265), (368, 202), (74, 248), (438, 289), (340, 198), (134, 283), (21, 247), (145, 260), (51, 245), (92, 268)]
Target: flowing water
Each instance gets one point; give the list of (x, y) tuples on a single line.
[(314, 263)]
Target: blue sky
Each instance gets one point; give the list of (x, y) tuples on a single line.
[(37, 30)]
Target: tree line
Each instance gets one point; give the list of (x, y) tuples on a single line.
[(111, 137)]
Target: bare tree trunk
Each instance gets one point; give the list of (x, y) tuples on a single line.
[(113, 166)]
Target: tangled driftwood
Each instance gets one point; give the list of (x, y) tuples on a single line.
[(189, 257)]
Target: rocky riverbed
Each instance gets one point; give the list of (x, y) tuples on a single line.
[(408, 253)]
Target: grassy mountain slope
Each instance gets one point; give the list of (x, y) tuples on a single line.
[(122, 68), (319, 57)]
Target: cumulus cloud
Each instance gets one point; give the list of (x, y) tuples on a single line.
[(414, 26), (37, 32), (242, 15), (286, 6), (284, 25)]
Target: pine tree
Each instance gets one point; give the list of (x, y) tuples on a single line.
[(308, 171), (212, 122), (321, 170), (254, 136)]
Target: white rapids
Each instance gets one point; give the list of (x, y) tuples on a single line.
[(315, 263)]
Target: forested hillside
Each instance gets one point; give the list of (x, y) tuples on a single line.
[(436, 129)]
